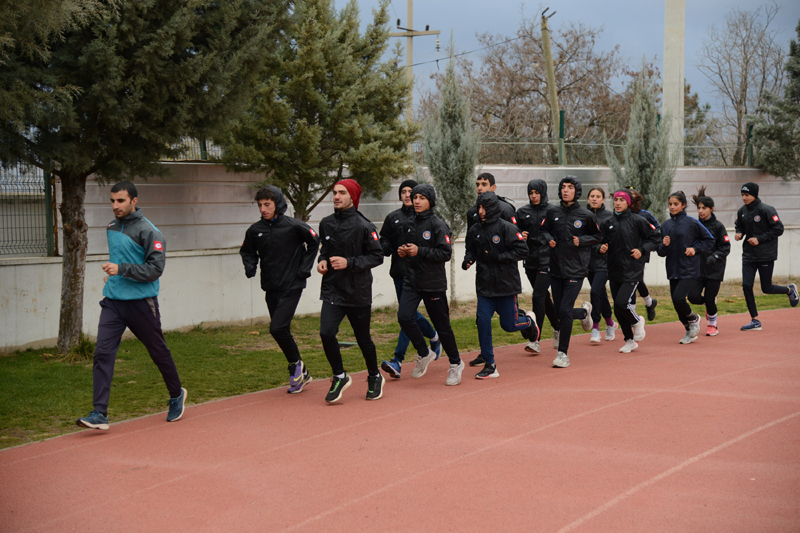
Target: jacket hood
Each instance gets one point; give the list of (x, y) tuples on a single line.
[(426, 190), (541, 187), (491, 203), (280, 200), (576, 182)]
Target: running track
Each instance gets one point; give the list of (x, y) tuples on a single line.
[(704, 437)]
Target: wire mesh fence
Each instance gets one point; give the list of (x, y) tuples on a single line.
[(23, 211)]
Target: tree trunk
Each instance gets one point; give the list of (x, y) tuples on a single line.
[(453, 299), (73, 217)]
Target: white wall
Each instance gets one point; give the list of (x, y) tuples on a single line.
[(210, 287)]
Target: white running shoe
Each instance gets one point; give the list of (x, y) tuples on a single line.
[(532, 347), (694, 327), (595, 337), (630, 345), (638, 330), (587, 322), (454, 374), (611, 332), (688, 339), (555, 339), (422, 364), (561, 360)]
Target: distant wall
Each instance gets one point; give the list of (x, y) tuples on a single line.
[(204, 211)]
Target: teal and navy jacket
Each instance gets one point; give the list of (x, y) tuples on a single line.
[(138, 247)]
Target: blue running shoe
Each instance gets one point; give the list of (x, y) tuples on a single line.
[(754, 325), (437, 347), (176, 407), (392, 368), (794, 298), (298, 377), (94, 420)]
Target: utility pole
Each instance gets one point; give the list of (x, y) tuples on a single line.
[(409, 34), (551, 83), (673, 74)]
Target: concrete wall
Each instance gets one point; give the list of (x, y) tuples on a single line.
[(204, 211)]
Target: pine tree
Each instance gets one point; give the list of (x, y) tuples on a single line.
[(649, 165), (776, 139), (152, 73), (451, 147), (328, 108)]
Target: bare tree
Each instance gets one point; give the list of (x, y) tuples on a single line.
[(741, 60)]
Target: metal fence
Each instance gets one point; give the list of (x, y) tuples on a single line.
[(25, 214)]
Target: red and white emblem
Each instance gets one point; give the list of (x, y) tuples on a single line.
[(374, 235), (313, 233), (652, 226), (447, 238), (520, 237), (727, 239), (514, 220), (775, 218), (158, 246)]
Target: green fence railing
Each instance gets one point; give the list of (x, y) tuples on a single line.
[(24, 206)]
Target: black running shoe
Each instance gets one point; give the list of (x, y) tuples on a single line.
[(375, 387), (489, 371), (478, 361), (651, 310), (338, 386)]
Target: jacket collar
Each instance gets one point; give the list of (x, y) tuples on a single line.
[(424, 215), (135, 215), (345, 213), (679, 215)]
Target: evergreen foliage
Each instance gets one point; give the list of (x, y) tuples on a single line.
[(649, 166), (327, 108), (776, 138), (141, 77), (451, 148)]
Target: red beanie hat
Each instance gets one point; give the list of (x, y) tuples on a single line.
[(353, 188)]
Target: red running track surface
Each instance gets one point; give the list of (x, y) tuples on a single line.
[(704, 437)]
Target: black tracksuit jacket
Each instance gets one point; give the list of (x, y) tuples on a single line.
[(529, 218), (392, 236), (623, 233), (684, 232), (560, 225), (349, 234), (425, 272), (599, 262), (286, 248), (496, 245), (712, 264), (507, 212), (761, 221)]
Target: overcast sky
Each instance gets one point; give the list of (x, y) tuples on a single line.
[(636, 25)]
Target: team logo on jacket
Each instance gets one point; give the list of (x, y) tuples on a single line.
[(578, 223), (514, 220), (312, 232), (727, 239), (426, 235), (110, 224), (374, 235), (775, 218), (757, 218), (520, 237), (158, 246), (447, 238), (496, 239), (652, 226)]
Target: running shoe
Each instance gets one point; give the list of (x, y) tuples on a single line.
[(436, 346), (489, 371), (532, 347), (611, 332), (688, 339), (595, 339), (94, 420), (454, 374), (392, 368), (298, 377), (338, 386), (651, 310), (694, 326), (532, 331), (638, 330), (555, 339), (375, 387), (478, 361), (754, 325), (794, 298), (587, 322), (561, 360), (176, 406), (422, 364), (711, 331), (630, 345)]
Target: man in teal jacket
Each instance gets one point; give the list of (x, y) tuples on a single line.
[(137, 257)]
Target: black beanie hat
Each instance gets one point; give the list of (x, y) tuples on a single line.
[(750, 188), (426, 190), (407, 183)]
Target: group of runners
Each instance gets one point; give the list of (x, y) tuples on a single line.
[(560, 244)]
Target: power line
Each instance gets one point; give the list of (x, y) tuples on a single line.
[(466, 53)]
